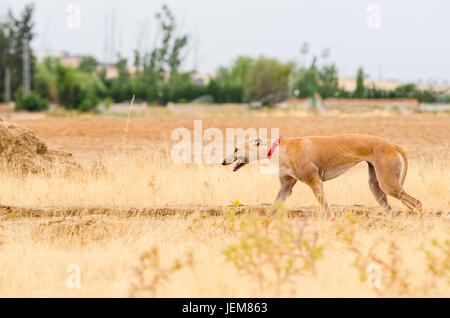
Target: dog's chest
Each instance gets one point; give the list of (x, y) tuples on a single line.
[(286, 171)]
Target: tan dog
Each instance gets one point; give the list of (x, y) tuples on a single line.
[(315, 159)]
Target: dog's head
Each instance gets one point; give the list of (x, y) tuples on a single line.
[(246, 152)]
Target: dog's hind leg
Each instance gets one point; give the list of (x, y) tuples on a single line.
[(286, 185), (397, 192), (379, 194), (391, 174)]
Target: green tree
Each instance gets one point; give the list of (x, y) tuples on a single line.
[(328, 81), (121, 87), (168, 56), (268, 80), (410, 90), (5, 56), (29, 101), (21, 30), (13, 33), (79, 90), (156, 68), (241, 69), (181, 89), (88, 64), (307, 80), (137, 62), (45, 79), (360, 91), (324, 81), (68, 88), (227, 87)]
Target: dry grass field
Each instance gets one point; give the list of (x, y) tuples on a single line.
[(136, 224)]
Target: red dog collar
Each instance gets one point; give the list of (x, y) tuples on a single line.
[(274, 146)]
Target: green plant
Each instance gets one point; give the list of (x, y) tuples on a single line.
[(394, 281), (229, 222), (14, 32), (438, 259), (273, 252), (88, 64), (323, 81), (268, 80), (29, 101), (360, 91), (151, 273), (45, 79)]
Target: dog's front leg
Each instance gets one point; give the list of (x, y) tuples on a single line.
[(317, 188), (309, 174), (286, 185)]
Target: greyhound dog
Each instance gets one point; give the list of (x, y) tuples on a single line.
[(315, 159)]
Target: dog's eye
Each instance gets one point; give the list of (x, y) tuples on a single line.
[(235, 150)]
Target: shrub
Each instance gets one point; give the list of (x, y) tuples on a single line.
[(88, 103), (29, 101), (225, 92), (390, 267), (152, 273), (274, 252)]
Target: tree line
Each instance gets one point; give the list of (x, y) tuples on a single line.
[(158, 76)]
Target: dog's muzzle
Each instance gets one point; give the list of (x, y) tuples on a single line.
[(238, 165)]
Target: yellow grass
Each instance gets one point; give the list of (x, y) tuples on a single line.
[(149, 178), (34, 263), (37, 252)]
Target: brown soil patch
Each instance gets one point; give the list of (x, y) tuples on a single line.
[(12, 212), (417, 134)]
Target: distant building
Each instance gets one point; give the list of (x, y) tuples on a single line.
[(66, 58), (74, 61), (349, 84), (202, 79), (42, 54), (110, 68)]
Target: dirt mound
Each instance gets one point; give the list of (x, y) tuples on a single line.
[(22, 151)]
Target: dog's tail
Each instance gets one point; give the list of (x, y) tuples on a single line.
[(405, 160)]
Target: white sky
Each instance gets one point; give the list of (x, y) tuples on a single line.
[(412, 43)]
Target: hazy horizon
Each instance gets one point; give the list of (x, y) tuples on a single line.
[(409, 43)]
